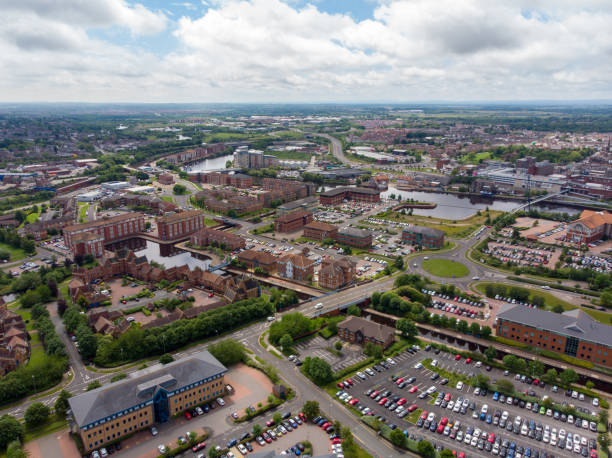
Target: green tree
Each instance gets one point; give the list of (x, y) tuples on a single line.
[(446, 453), (550, 376), (319, 370), (398, 438), (286, 341), (589, 385), (310, 409), (166, 358), (179, 189), (485, 332), (425, 449), (399, 263), (14, 450), (338, 345), (257, 429), (213, 452), (277, 418), (61, 404), (463, 326), (536, 368), (510, 363), (568, 376), (474, 328), (353, 310), (605, 299), (373, 350), (36, 414), (482, 381), (505, 386), (10, 430), (490, 352), (228, 352), (557, 308), (407, 328), (603, 440)]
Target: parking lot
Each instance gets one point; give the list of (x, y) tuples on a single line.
[(317, 346), (525, 426)]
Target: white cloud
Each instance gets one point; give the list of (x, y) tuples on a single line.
[(272, 50)]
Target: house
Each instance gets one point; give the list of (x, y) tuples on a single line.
[(335, 274), (361, 331), (295, 267)]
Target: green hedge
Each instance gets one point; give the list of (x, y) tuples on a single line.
[(184, 447)]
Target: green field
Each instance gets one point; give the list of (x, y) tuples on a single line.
[(445, 268), (168, 199), (16, 253), (37, 354), (291, 155), (83, 207)]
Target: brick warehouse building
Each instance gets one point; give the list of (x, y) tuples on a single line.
[(337, 195), (424, 237), (206, 236), (292, 221), (112, 229), (148, 396), (573, 333), (320, 231), (361, 331), (177, 225), (354, 237)]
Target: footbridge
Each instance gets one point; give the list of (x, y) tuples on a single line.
[(540, 199)]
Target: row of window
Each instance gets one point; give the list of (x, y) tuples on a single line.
[(544, 337), (118, 434)]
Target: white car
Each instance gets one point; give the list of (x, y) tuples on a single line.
[(242, 449), (484, 409), (595, 402), (418, 366), (459, 385), (220, 401), (319, 306), (431, 416), (391, 361), (161, 448), (154, 431)]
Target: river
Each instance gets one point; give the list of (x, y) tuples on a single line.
[(210, 164), (167, 255), (453, 206)]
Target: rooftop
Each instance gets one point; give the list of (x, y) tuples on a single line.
[(141, 386), (175, 217), (343, 189), (573, 323), (297, 214), (368, 328), (104, 221), (354, 232), (320, 226), (425, 231)]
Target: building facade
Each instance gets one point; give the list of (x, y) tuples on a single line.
[(145, 398), (295, 267), (337, 195), (354, 237), (424, 237), (320, 231), (177, 225), (292, 221), (361, 331), (590, 227), (335, 274), (112, 229), (165, 178), (206, 236), (252, 259), (572, 333)]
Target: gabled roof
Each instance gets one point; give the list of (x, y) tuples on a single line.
[(594, 219), (298, 260), (368, 328)]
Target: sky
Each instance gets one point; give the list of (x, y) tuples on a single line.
[(287, 51)]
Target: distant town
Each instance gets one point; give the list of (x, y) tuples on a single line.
[(358, 281)]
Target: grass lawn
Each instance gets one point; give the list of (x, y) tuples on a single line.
[(52, 426), (445, 268), (210, 221), (16, 253), (37, 354), (25, 315), (413, 417), (602, 317), (31, 218), (168, 199), (550, 300), (83, 207), (453, 228)]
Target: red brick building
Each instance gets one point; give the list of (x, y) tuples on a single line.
[(292, 221), (206, 236), (320, 231), (354, 237), (252, 259), (360, 331), (177, 225), (335, 274), (590, 227), (337, 195), (295, 267), (112, 229), (572, 333), (88, 243)]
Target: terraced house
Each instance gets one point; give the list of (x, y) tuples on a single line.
[(149, 396)]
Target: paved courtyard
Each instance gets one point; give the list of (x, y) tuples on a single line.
[(318, 346)]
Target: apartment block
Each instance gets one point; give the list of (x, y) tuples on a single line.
[(320, 231), (361, 331), (295, 267), (338, 195), (292, 221), (178, 225), (206, 236), (112, 229), (335, 274)]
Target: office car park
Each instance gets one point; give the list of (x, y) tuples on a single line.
[(463, 418)]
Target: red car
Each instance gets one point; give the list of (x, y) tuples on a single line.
[(424, 415), (491, 437), (325, 425), (340, 385), (401, 401), (468, 361), (457, 357), (447, 397), (461, 454), (382, 401), (414, 389), (444, 421), (198, 447), (412, 408), (374, 394), (302, 416), (187, 415), (399, 380), (270, 423), (440, 428), (350, 381), (336, 440), (210, 294), (267, 437), (353, 401)]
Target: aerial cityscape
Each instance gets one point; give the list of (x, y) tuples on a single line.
[(334, 229)]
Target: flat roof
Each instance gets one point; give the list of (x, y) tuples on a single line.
[(104, 221), (140, 387)]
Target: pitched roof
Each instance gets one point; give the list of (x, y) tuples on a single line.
[(175, 217), (573, 323), (141, 386), (424, 231), (343, 189), (298, 260), (291, 216), (320, 226), (368, 328), (354, 232), (593, 219)]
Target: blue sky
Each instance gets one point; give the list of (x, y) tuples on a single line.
[(305, 51)]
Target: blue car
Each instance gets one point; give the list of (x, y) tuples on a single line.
[(482, 416), (495, 396), (231, 443), (489, 419), (527, 452)]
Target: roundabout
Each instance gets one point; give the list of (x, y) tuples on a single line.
[(445, 268)]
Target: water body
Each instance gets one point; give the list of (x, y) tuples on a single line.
[(453, 206), (167, 255), (210, 164)]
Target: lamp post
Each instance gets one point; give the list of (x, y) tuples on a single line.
[(34, 382)]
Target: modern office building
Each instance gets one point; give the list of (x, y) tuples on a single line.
[(354, 237), (320, 231), (572, 333), (146, 397), (293, 221), (424, 237), (306, 204), (337, 195)]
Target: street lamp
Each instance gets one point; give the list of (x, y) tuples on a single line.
[(34, 381)]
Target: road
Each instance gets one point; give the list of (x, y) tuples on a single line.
[(336, 146)]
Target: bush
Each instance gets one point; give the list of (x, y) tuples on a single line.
[(228, 352), (166, 358), (10, 430)]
